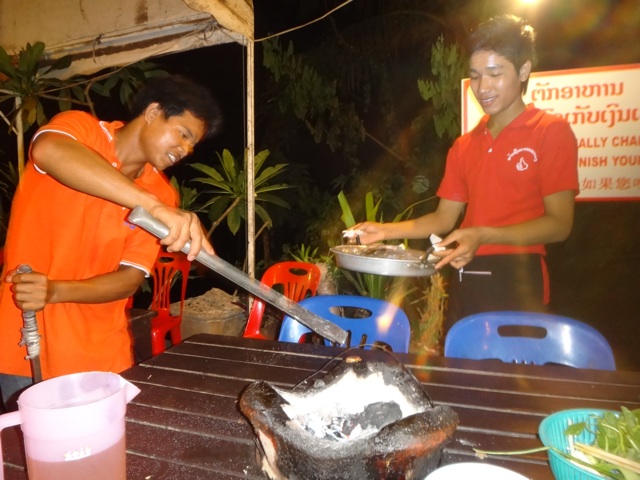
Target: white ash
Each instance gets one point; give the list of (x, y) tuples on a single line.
[(353, 407)]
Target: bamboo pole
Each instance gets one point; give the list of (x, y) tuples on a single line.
[(19, 135), (616, 460), (251, 217)]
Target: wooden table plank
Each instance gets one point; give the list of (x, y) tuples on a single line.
[(185, 423), (202, 451)]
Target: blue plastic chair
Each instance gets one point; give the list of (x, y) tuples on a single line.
[(528, 337), (385, 322)]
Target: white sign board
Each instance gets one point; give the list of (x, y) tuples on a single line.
[(603, 107)]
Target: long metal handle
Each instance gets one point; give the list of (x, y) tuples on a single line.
[(30, 335), (139, 216)]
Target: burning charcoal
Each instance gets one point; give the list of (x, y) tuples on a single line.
[(363, 420), (379, 414)]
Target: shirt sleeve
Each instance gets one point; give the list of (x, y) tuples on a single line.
[(559, 168), (141, 247), (453, 187), (78, 125)]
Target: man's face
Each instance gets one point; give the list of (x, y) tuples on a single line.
[(166, 141), (495, 82)]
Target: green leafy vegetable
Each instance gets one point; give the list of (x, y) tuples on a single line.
[(617, 440), (616, 433)]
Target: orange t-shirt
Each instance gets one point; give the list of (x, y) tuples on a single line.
[(70, 235)]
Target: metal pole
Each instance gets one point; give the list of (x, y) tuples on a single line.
[(30, 336)]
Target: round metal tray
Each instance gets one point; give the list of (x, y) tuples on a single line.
[(386, 260)]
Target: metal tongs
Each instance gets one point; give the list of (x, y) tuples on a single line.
[(425, 256), (434, 239), (351, 234)]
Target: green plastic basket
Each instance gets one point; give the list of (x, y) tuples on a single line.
[(551, 431)]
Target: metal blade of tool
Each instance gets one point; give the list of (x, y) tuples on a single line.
[(325, 328)]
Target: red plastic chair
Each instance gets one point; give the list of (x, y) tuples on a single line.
[(297, 279), (167, 266)]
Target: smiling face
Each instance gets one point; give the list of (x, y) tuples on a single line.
[(497, 85), (166, 141)]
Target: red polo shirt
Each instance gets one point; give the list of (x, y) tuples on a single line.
[(504, 180)]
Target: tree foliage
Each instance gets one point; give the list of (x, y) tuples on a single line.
[(227, 196), (448, 67), (28, 79)]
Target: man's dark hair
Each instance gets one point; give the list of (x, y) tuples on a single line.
[(177, 94), (508, 36)]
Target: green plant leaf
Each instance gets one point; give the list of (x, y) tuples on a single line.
[(234, 219), (259, 159), (60, 64), (268, 173), (29, 57), (228, 164), (125, 93), (274, 200), (347, 215), (6, 65), (575, 429), (271, 188), (371, 209), (101, 89), (217, 206), (41, 118), (263, 214), (208, 170)]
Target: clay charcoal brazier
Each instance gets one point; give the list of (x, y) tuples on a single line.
[(362, 420)]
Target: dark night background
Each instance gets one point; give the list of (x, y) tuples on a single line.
[(593, 273)]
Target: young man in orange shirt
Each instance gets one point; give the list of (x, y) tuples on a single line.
[(69, 224)]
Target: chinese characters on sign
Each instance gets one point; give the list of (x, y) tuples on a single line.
[(603, 107)]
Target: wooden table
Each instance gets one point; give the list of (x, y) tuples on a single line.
[(140, 328), (185, 423)]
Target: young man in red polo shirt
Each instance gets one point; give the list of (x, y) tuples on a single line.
[(69, 224), (514, 177)]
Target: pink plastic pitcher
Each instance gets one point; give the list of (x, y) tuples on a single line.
[(73, 426)]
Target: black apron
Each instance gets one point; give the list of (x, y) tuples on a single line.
[(496, 283)]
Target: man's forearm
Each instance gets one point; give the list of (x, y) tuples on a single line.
[(80, 168), (440, 222), (554, 226), (103, 288), (542, 230)]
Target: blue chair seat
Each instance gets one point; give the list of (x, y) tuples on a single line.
[(528, 337), (383, 321)]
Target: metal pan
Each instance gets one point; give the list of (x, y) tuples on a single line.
[(389, 260)]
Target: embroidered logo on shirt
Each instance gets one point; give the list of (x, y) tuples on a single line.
[(523, 156)]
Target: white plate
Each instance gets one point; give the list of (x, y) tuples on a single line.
[(475, 471)]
